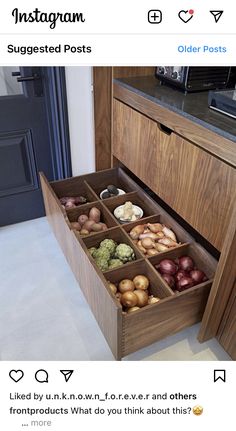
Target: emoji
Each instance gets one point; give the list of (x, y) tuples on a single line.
[(197, 410)]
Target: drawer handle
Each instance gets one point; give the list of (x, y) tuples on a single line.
[(165, 129)]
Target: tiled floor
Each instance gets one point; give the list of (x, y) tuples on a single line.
[(44, 316)]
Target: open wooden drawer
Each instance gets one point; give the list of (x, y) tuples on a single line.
[(125, 332)]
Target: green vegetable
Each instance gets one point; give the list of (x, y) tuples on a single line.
[(125, 253), (102, 263), (114, 263), (110, 244), (92, 250), (102, 252)]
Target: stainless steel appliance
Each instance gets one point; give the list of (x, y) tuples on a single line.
[(191, 78), (223, 102)]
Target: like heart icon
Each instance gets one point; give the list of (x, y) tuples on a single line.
[(16, 375), (186, 15)]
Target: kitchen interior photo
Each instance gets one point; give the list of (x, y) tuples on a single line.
[(118, 213)]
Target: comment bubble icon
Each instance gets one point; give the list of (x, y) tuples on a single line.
[(41, 376)]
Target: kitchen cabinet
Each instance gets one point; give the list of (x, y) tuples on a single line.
[(191, 165), (197, 185)]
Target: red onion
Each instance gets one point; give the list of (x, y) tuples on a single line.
[(186, 263), (169, 279), (184, 283), (167, 266), (197, 276), (180, 274)]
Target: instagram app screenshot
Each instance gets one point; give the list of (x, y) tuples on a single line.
[(117, 215)]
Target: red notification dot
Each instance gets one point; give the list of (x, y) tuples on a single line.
[(191, 11)]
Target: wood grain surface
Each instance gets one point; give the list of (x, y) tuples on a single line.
[(197, 185), (222, 286), (102, 83), (219, 146), (227, 331), (167, 317)]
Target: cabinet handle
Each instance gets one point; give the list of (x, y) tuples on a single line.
[(165, 129)]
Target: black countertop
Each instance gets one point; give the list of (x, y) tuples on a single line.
[(193, 106)]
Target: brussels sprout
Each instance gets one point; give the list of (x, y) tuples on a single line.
[(114, 263), (110, 244), (125, 253), (102, 263)]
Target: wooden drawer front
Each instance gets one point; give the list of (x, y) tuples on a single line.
[(198, 186), (170, 316), (227, 331), (125, 332)]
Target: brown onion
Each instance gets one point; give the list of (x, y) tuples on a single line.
[(141, 282), (142, 297), (151, 235), (129, 299), (126, 285), (184, 283), (169, 279), (147, 243), (118, 296), (167, 266), (155, 227), (130, 310), (186, 263), (197, 276), (136, 231), (161, 248), (167, 241), (112, 287), (153, 299), (169, 233), (152, 252), (141, 248)]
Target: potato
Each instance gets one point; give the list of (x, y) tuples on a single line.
[(75, 225), (88, 225), (96, 227), (95, 214), (84, 232), (82, 219)]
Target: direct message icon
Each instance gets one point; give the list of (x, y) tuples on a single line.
[(67, 374), (41, 376), (217, 14), (16, 375)]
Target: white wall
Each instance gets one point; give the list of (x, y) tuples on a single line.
[(81, 118)]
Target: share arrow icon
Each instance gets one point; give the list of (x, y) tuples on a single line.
[(217, 14), (67, 374)]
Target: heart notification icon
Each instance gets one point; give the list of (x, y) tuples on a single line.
[(186, 15), (16, 375)]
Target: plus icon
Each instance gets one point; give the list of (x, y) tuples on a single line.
[(155, 16)]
